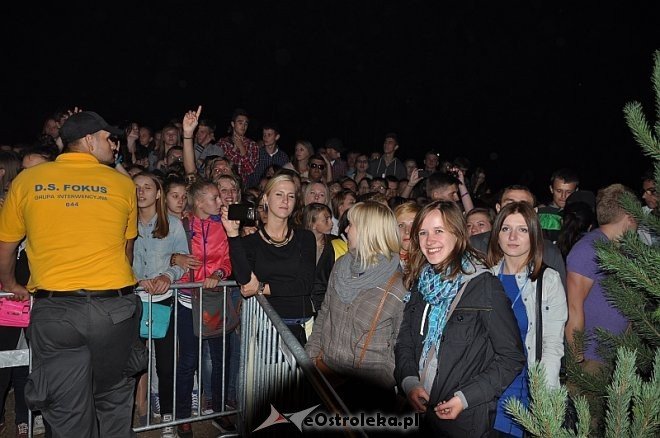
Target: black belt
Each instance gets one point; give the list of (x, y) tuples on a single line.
[(84, 293)]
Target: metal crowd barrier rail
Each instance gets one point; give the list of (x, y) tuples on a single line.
[(273, 364), (198, 414), (274, 367), (15, 358)]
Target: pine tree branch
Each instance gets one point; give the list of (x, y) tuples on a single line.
[(584, 382), (641, 131), (609, 344), (620, 394), (547, 408), (655, 80), (631, 261), (646, 411)]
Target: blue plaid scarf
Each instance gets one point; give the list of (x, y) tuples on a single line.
[(439, 292)]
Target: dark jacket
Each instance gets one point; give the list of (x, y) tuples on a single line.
[(480, 354), (322, 275)]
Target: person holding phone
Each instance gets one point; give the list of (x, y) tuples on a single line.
[(277, 261)]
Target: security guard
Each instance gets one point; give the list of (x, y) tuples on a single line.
[(79, 216)]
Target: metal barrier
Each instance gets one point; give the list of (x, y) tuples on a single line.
[(199, 415), (16, 358), (274, 368)]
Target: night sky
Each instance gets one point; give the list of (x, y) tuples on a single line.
[(520, 89)]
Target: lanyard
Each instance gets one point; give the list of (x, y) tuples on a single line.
[(501, 273)]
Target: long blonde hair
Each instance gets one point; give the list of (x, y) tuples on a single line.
[(377, 232)]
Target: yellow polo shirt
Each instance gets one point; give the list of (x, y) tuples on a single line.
[(77, 215)]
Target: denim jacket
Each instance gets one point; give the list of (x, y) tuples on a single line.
[(151, 256)]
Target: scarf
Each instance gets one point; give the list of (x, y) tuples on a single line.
[(348, 278), (439, 291)]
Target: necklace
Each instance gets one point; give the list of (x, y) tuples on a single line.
[(276, 243)]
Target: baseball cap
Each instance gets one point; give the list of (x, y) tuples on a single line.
[(84, 123)]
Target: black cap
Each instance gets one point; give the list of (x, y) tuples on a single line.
[(584, 196), (84, 123), (335, 143)]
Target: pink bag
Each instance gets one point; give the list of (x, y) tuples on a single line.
[(14, 313)]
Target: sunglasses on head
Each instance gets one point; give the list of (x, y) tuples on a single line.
[(317, 166)]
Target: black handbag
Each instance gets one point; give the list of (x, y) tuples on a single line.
[(570, 416)]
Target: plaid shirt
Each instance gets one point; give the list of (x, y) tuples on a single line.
[(246, 164), (279, 158)]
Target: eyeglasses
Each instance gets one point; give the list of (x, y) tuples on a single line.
[(317, 166), (650, 191)]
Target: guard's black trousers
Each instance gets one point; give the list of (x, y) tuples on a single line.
[(83, 363)]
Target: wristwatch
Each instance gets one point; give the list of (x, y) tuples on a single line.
[(173, 258), (260, 289)]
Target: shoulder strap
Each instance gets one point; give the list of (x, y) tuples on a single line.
[(186, 226), (457, 298), (539, 313), (374, 322)]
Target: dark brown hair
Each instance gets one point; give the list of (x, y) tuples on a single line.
[(535, 257)]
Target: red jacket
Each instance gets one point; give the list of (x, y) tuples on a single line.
[(209, 244)]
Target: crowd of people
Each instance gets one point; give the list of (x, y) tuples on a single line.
[(414, 287)]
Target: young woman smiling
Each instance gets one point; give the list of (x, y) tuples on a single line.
[(458, 346)]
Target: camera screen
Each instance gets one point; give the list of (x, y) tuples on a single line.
[(241, 212)]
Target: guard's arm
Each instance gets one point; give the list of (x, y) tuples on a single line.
[(7, 266)]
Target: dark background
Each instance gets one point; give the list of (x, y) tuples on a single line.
[(520, 88)]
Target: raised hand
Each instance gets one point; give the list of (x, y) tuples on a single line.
[(190, 121), (231, 227), (415, 178)]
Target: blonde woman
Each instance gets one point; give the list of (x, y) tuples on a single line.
[(405, 215), (355, 331), (300, 162), (279, 260)]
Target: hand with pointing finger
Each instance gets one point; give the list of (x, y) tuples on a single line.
[(190, 121)]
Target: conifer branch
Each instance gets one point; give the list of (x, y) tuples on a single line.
[(620, 394), (641, 131)]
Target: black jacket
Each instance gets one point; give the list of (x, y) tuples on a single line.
[(322, 276), (480, 354)]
